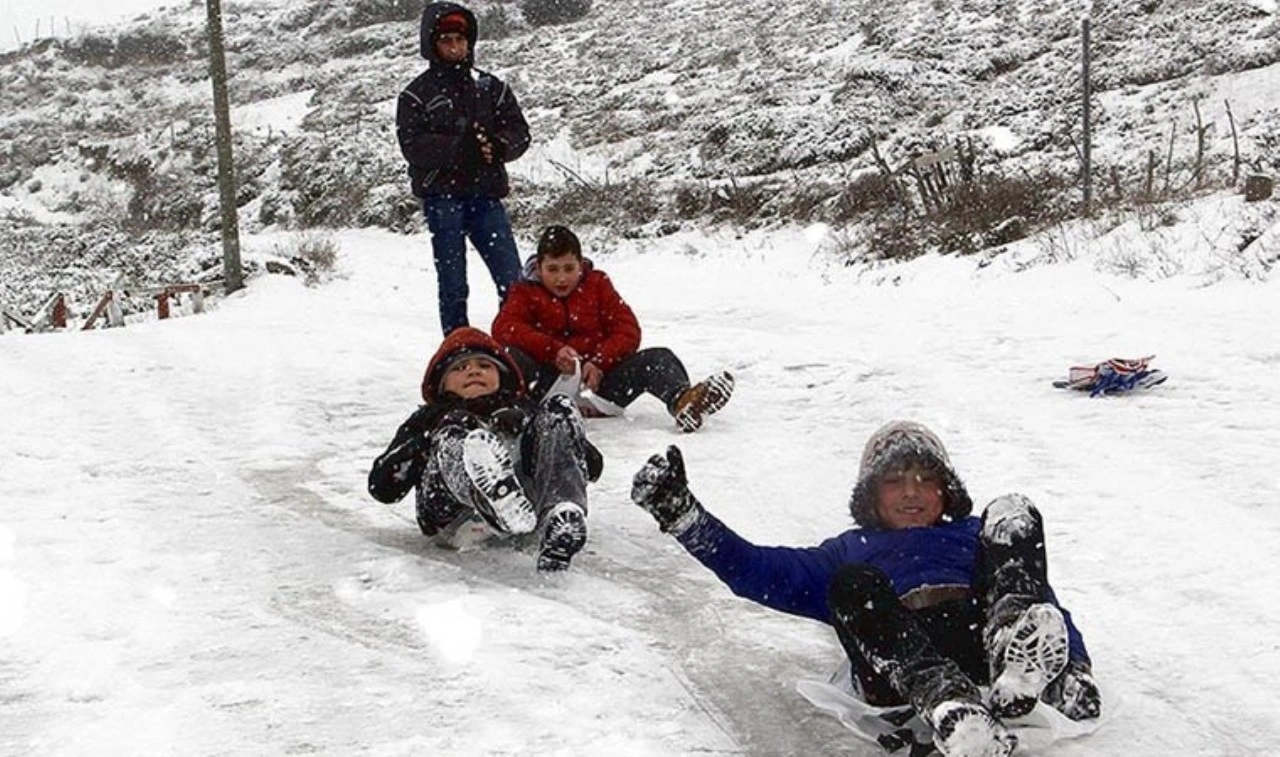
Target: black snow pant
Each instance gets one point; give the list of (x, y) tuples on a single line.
[(553, 461), (655, 370), (937, 653)]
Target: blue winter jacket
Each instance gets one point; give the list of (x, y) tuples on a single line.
[(795, 580)]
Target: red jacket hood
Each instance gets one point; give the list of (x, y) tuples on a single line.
[(468, 338)]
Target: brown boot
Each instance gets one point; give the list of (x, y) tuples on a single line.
[(702, 399)]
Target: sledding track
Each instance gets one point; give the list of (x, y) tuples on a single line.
[(183, 507)]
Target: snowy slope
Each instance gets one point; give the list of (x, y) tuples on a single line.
[(189, 563)]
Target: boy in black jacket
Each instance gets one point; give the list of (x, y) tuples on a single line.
[(458, 126), (485, 460)]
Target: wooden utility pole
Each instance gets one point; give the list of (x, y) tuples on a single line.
[(232, 276), (1086, 154)]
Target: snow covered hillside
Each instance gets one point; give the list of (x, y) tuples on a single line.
[(646, 119), (189, 562)]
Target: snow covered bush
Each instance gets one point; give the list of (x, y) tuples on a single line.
[(497, 22), (552, 12)]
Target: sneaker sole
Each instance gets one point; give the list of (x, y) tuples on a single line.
[(1036, 654), (970, 731), (719, 390), (501, 502), (566, 534)]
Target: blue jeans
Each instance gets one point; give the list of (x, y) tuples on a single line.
[(452, 220)]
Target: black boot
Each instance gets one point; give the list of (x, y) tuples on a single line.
[(1025, 634), (555, 451)]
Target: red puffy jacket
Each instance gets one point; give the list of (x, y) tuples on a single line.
[(593, 319)]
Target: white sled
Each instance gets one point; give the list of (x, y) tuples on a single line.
[(898, 730), (468, 531), (590, 404)]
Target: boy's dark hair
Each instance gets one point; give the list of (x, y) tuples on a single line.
[(558, 241)]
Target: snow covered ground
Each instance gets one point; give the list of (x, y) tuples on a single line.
[(189, 563)]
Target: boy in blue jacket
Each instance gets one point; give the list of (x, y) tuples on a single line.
[(928, 601)]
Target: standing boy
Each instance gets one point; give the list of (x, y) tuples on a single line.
[(457, 126)]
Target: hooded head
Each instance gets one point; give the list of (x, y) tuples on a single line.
[(463, 343), (438, 18), (893, 446)]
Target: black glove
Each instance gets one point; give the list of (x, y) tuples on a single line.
[(508, 420), (469, 156), (460, 418), (412, 449), (662, 488), (1075, 692)]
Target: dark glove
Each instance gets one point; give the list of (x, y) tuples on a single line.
[(1075, 692), (458, 417), (508, 420), (411, 450), (469, 156), (662, 488)]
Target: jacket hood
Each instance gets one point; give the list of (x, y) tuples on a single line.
[(467, 339), (892, 444), (431, 15)]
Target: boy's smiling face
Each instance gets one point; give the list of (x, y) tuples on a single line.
[(472, 377), (910, 497)]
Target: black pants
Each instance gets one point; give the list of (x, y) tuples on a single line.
[(655, 370), (553, 460), (931, 655)]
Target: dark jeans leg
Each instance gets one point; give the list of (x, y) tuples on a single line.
[(553, 454), (489, 230), (1012, 569), (892, 655), (655, 370), (538, 377), (449, 251)]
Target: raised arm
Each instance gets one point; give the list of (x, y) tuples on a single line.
[(788, 579)]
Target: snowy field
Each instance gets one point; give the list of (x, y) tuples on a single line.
[(189, 563)]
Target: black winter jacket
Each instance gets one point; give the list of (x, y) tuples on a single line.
[(400, 467), (438, 114)]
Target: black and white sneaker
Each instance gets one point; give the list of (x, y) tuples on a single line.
[(1026, 657), (563, 533), (966, 729), (500, 500)]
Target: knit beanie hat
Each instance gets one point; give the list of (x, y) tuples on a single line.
[(899, 443), (452, 23)]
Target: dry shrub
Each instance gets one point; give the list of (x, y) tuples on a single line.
[(990, 211), (630, 203), (312, 255)]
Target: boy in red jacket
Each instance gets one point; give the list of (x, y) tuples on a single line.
[(565, 316)]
